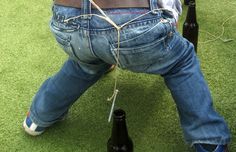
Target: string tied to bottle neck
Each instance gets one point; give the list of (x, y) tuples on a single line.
[(118, 28)]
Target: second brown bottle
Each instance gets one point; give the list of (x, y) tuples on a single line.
[(119, 140), (190, 27)]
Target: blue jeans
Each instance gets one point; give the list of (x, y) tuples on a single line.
[(149, 44)]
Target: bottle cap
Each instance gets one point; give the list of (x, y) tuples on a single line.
[(119, 114)]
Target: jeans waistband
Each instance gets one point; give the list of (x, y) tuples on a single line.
[(106, 4), (86, 6)]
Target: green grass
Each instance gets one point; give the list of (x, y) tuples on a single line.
[(29, 54)]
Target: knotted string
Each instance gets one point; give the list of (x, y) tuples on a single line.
[(118, 28), (219, 36)]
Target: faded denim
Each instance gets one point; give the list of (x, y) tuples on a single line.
[(150, 44)]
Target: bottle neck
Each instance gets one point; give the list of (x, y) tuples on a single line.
[(119, 130), (191, 15)]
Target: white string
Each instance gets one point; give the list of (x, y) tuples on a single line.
[(107, 18), (219, 36), (113, 105), (118, 28)]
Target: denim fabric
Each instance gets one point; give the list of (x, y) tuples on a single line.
[(149, 44)]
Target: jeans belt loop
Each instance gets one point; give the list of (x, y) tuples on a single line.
[(86, 9), (153, 6)]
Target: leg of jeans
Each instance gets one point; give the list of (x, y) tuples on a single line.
[(200, 122), (59, 92)]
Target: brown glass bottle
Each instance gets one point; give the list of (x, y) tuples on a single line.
[(119, 140), (186, 2), (190, 27)]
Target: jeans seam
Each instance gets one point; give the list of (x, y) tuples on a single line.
[(210, 141), (139, 23)]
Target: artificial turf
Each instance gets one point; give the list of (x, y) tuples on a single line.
[(29, 54)]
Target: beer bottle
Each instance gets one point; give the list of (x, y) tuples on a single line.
[(186, 2), (190, 27), (119, 140)]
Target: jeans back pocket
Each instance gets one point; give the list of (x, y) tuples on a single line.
[(141, 55), (64, 41)]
